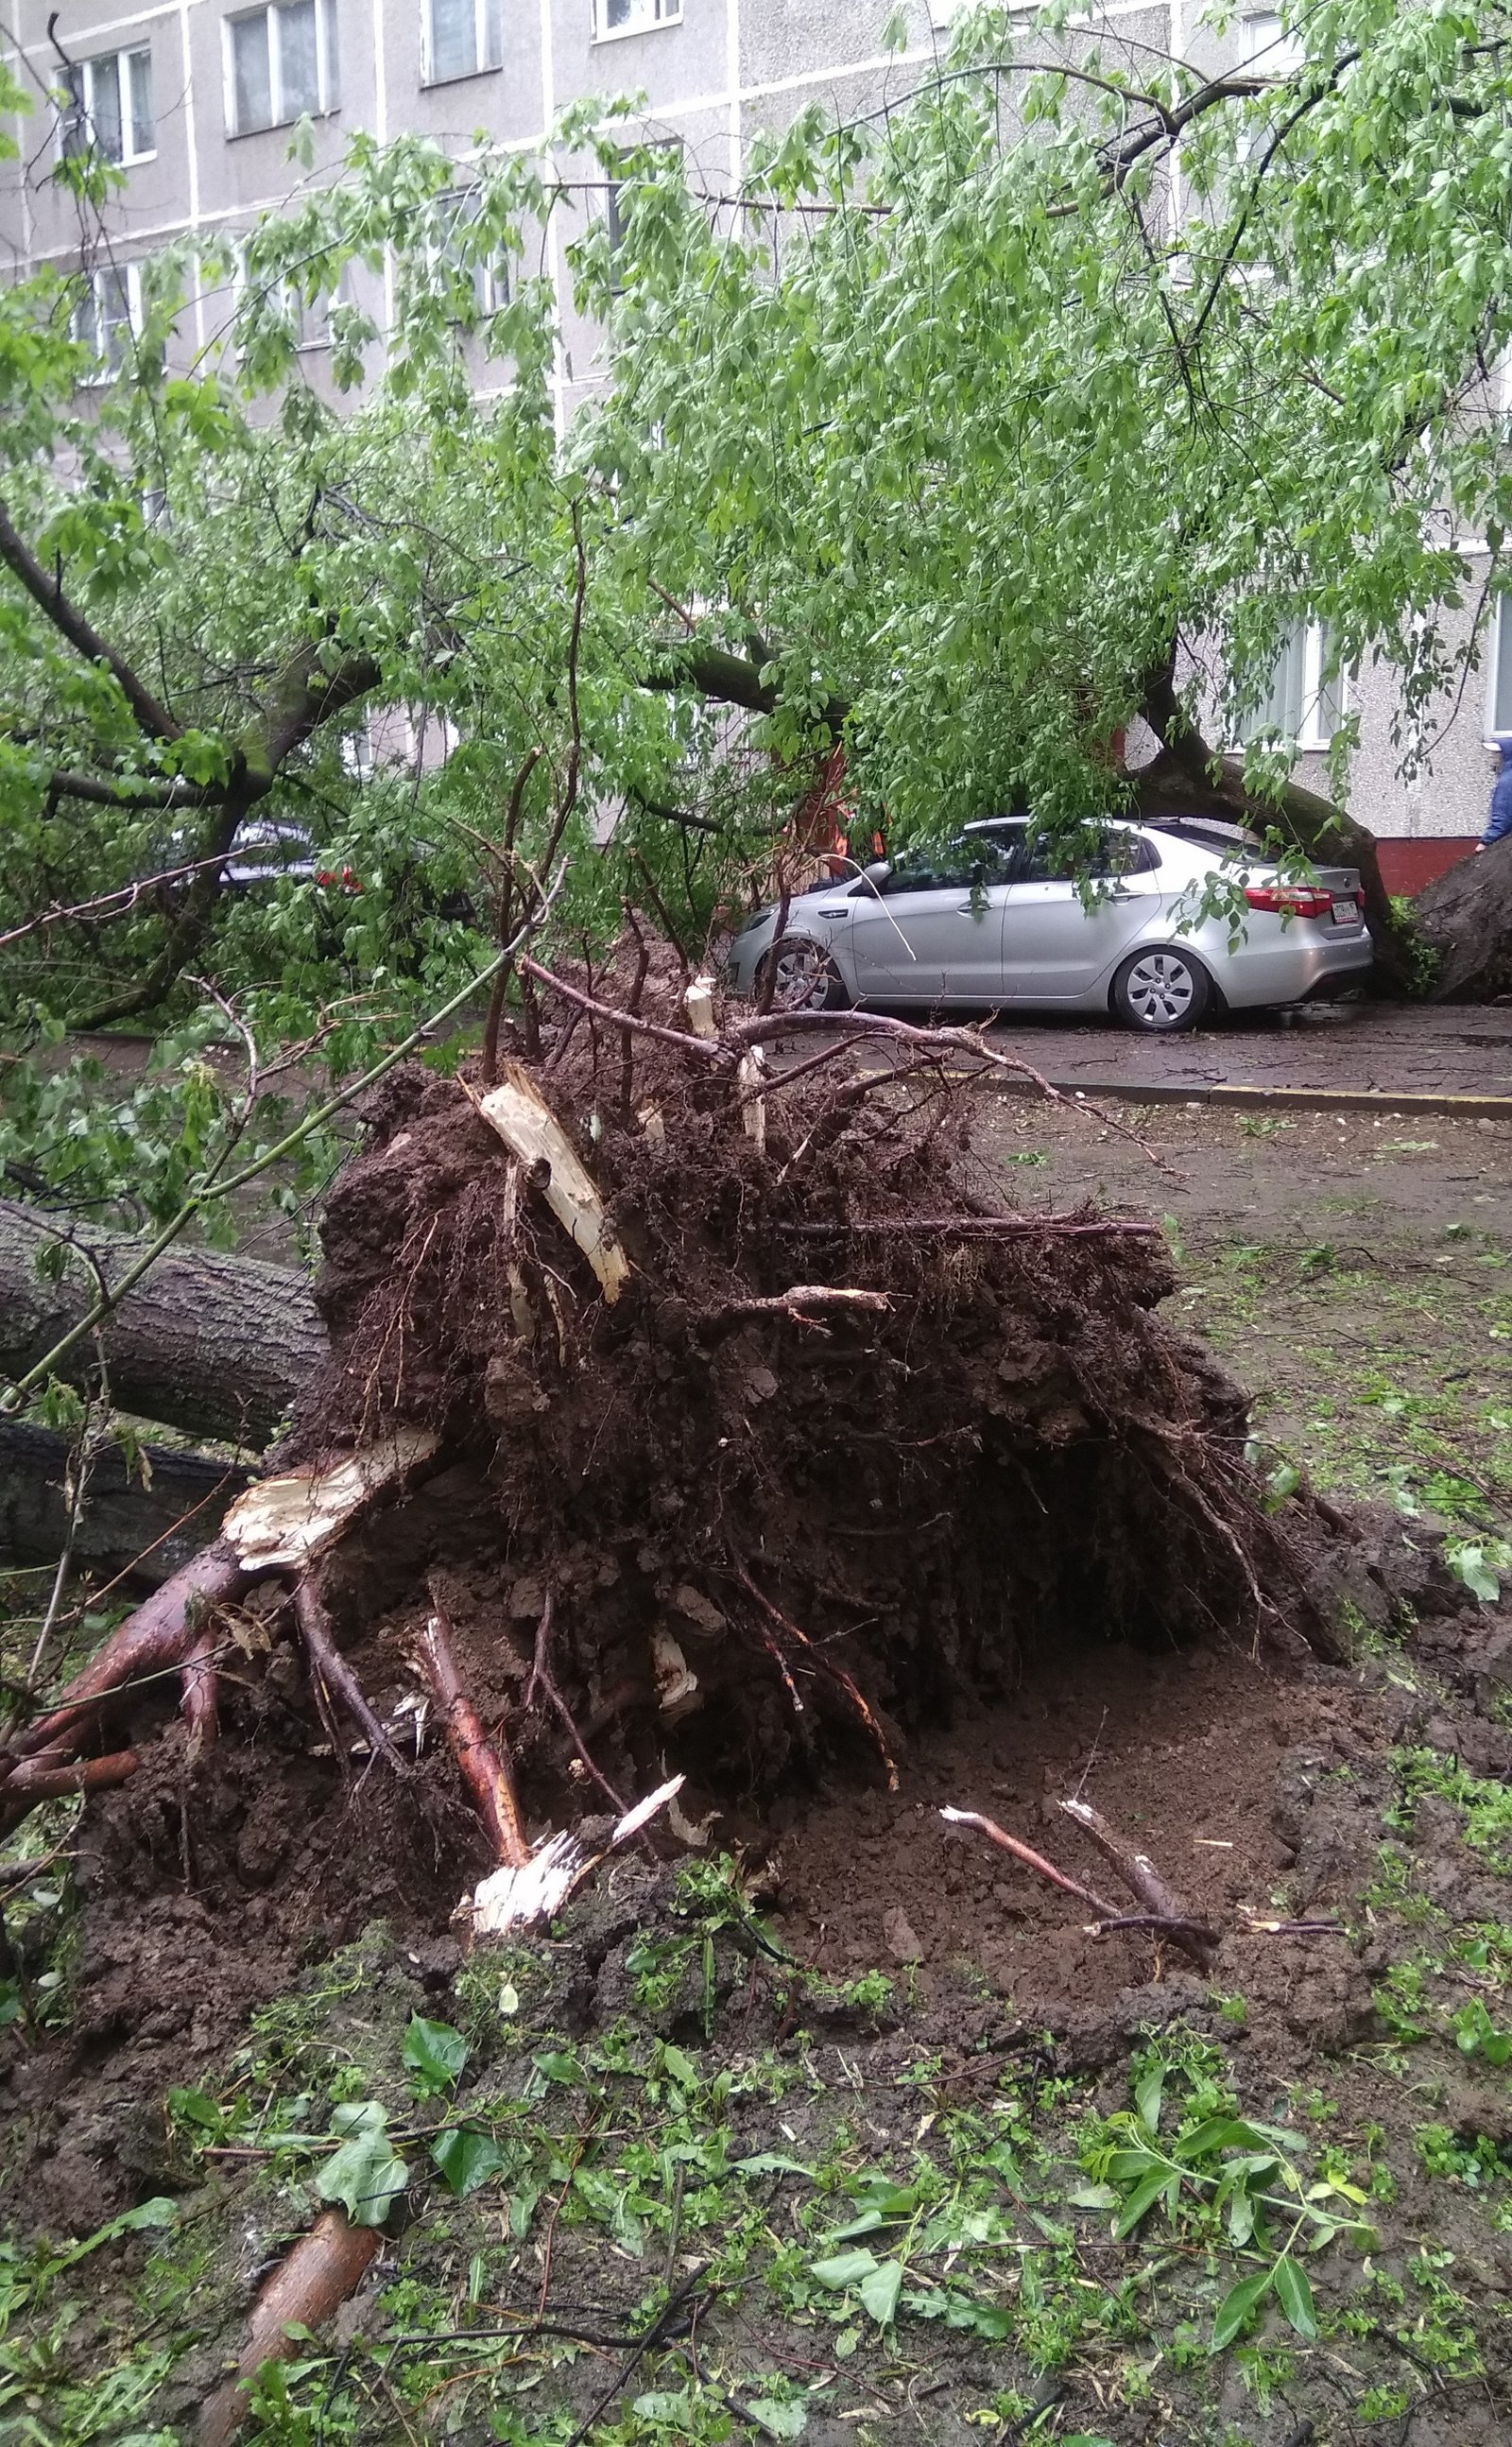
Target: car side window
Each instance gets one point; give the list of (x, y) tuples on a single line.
[(1118, 851), (969, 865)]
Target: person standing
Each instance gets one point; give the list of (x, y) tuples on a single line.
[(1498, 822)]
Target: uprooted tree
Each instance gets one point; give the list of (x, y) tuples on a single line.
[(947, 438), (682, 1416)]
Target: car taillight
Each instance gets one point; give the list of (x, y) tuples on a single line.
[(1290, 899)]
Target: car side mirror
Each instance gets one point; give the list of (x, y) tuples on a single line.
[(878, 872)]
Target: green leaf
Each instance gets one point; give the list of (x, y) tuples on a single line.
[(558, 2065), (844, 2269), (366, 2174), (1142, 2199), (465, 2160), (1294, 2295), (1147, 2097), (673, 2405), (880, 2291), (1237, 2306), (1093, 2196), (779, 2418), (682, 2069), (434, 2053), (771, 2162)]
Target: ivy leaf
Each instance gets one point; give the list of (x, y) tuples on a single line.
[(466, 2159), (1237, 2306), (366, 2177), (434, 2053)]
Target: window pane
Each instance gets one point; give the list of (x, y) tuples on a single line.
[(104, 105), (453, 38), (298, 64), (138, 66), (250, 77), (115, 315), (618, 13)]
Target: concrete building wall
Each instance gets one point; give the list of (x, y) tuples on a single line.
[(709, 77)]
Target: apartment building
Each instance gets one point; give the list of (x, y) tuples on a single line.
[(195, 99)]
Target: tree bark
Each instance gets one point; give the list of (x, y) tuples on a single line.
[(1465, 919), (216, 1345), (1188, 777), (152, 1530)]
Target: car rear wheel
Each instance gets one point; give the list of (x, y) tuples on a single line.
[(807, 978), (1162, 991)]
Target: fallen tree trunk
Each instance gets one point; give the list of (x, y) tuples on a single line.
[(216, 1345), (1465, 919), (151, 1531), (1188, 777)]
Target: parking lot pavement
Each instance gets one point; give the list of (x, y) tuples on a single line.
[(1382, 1048)]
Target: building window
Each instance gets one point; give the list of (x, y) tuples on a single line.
[(461, 39), (107, 107), (1499, 676), (281, 64), (488, 276), (107, 314), (1304, 700), (615, 17), (1266, 47)]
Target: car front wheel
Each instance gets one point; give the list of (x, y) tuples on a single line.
[(1160, 991), (807, 977)]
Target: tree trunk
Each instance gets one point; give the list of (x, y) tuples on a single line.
[(216, 1345), (1465, 919), (123, 1524), (1189, 778)]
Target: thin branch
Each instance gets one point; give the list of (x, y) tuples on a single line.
[(47, 594)]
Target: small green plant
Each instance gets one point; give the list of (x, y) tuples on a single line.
[(1475, 2034), (1229, 2172)]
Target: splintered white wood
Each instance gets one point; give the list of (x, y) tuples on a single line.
[(510, 1898), (517, 1110), (284, 1522)]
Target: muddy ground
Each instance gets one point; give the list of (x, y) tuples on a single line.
[(872, 1995)]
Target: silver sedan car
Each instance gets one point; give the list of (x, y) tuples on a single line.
[(1164, 923)]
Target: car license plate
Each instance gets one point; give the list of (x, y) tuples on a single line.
[(1346, 912)]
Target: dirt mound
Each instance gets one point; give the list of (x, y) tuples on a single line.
[(852, 1449)]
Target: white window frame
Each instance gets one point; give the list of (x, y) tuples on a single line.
[(647, 17), (1267, 47), (1315, 732), (326, 95), (101, 371), (487, 46), (1498, 660), (1320, 709), (90, 70)]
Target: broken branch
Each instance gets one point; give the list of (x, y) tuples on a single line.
[(482, 1766), (199, 1699), (1031, 1859), (309, 2283), (790, 1303), (1141, 1876), (153, 1640), (328, 1664)]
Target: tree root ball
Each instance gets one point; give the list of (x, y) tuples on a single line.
[(769, 1540)]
